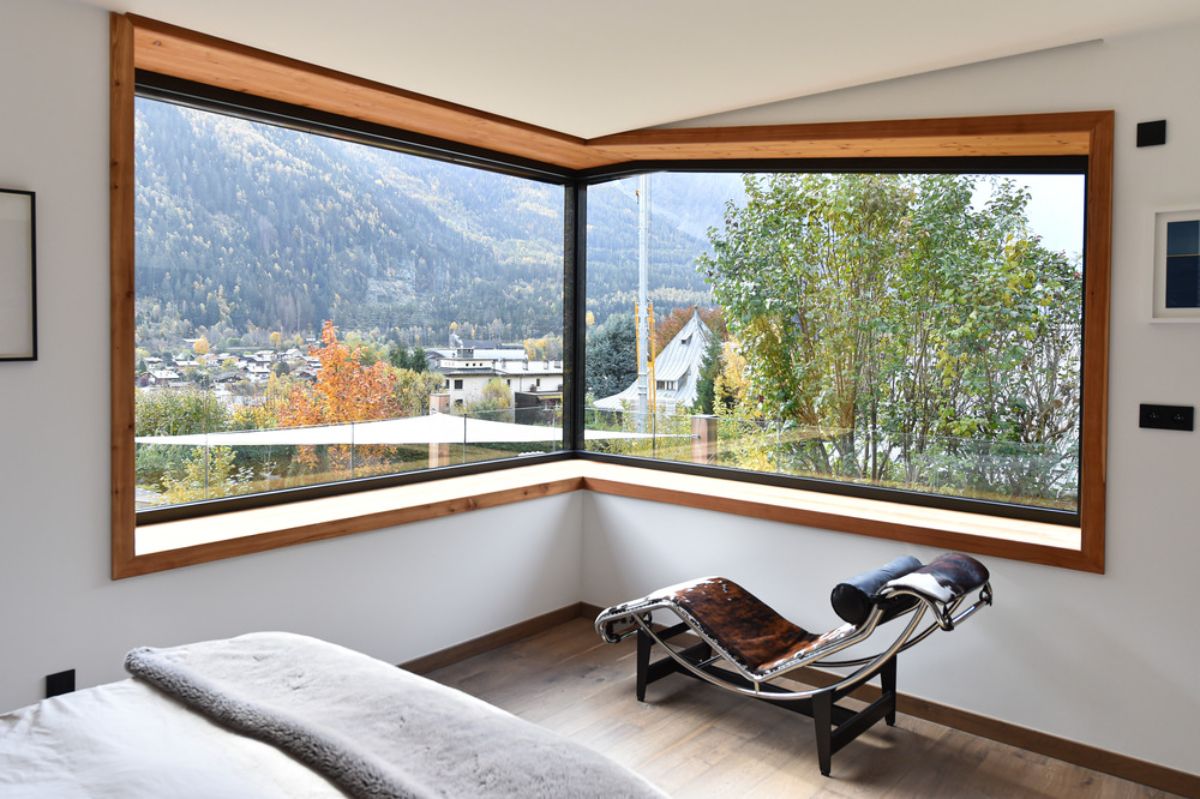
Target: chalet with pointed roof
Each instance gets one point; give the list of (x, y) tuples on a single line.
[(676, 371)]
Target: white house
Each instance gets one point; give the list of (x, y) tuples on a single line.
[(676, 371), (468, 369), (258, 371), (165, 378)]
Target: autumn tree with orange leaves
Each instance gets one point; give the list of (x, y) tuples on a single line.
[(345, 391), (669, 326)]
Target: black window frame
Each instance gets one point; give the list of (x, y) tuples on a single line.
[(993, 165), (575, 184), (203, 97)]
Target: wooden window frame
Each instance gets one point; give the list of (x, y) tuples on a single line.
[(140, 43)]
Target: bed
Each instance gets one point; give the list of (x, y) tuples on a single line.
[(279, 715)]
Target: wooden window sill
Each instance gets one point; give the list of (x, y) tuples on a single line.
[(168, 545), (1038, 542), (173, 544)]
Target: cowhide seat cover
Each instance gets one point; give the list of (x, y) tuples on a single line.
[(744, 628), (946, 577)]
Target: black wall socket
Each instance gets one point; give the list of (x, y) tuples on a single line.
[(1151, 134), (62, 682), (1167, 417)]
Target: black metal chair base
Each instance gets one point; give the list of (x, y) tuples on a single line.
[(836, 726)]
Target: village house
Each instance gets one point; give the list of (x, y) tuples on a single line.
[(676, 372), (164, 378), (467, 369)]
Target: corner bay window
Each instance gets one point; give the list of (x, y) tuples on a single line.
[(899, 331), (323, 305)]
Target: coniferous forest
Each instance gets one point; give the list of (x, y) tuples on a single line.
[(245, 228)]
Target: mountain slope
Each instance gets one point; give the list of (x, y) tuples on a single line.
[(245, 227)]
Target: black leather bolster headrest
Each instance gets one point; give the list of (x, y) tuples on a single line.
[(854, 599)]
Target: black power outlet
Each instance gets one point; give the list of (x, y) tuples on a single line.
[(1150, 134), (1167, 417), (62, 682)]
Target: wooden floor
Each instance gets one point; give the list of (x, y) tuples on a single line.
[(693, 740)]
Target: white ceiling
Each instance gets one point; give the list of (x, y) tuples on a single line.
[(599, 67)]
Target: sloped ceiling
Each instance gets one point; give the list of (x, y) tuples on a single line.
[(594, 68)]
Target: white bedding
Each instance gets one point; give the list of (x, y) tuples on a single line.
[(268, 715), (126, 740)]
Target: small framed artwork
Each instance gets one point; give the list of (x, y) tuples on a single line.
[(1177, 266), (18, 276)]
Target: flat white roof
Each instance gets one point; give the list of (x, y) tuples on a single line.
[(436, 428)]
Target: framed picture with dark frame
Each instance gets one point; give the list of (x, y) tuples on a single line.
[(18, 276), (1177, 266)]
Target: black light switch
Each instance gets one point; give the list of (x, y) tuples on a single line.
[(62, 682), (1150, 134), (1167, 417)]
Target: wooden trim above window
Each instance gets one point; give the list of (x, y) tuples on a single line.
[(181, 53), (1024, 135), (139, 43)]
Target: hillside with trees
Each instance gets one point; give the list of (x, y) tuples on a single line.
[(245, 228)]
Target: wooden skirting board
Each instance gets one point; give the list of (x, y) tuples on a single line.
[(1163, 778), (1129, 768), (494, 640)]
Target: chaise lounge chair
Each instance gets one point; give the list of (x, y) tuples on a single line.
[(744, 645)]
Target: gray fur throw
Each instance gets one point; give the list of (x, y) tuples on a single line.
[(374, 730)]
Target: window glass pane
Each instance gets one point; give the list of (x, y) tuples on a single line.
[(911, 331), (301, 298)]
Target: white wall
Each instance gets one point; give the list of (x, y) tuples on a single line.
[(395, 593), (1110, 659)]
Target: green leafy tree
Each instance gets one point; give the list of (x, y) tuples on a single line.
[(899, 332), (172, 413), (208, 472), (412, 389), (177, 413), (611, 356), (706, 383), (412, 359)]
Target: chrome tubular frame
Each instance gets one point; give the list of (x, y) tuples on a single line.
[(861, 675)]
